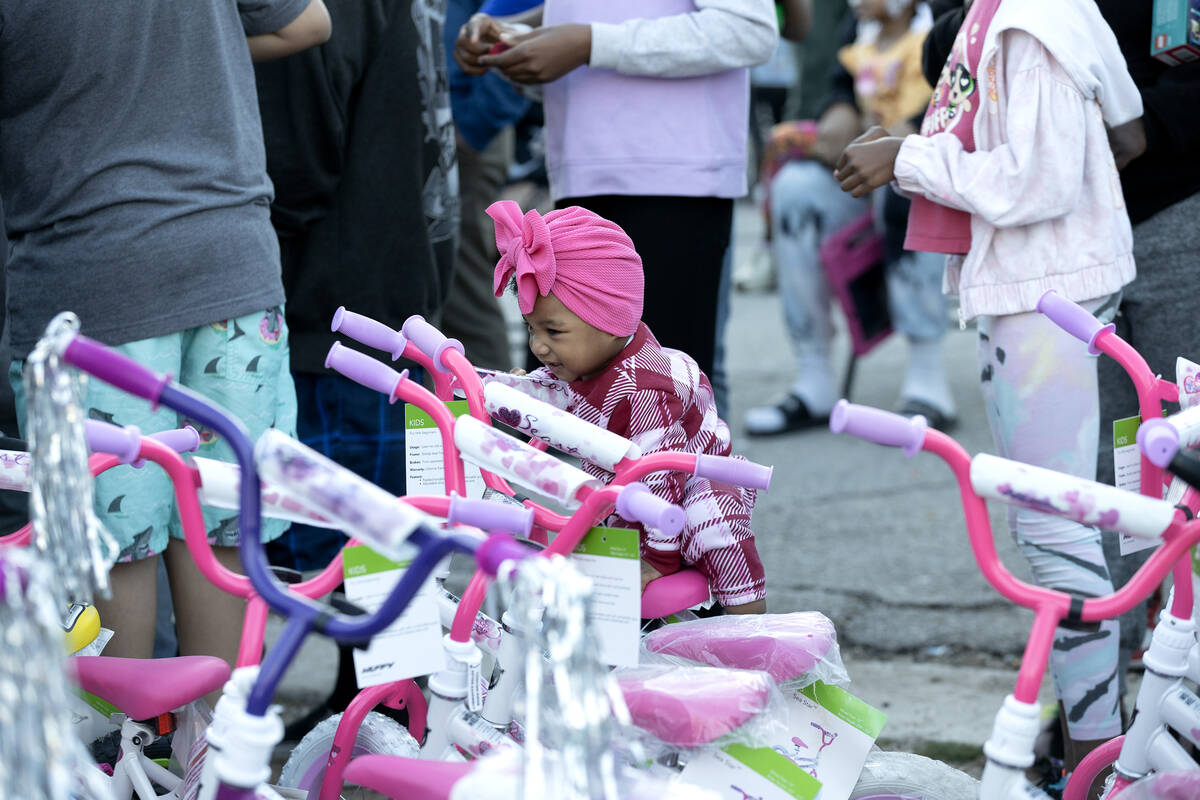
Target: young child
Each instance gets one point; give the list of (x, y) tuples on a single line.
[(579, 286), (1013, 177)]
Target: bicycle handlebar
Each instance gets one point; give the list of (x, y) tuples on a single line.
[(879, 426), (430, 341), (1160, 439), (364, 370), (1073, 319), (369, 332), (490, 515), (736, 471), (1086, 502), (116, 369), (637, 503)]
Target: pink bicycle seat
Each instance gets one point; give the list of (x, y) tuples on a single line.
[(692, 706), (785, 646), (673, 593), (143, 688), (396, 776)]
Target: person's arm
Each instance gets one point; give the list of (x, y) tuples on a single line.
[(718, 36), (312, 27), (797, 19), (1034, 176)]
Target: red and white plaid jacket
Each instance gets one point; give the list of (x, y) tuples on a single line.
[(660, 399)]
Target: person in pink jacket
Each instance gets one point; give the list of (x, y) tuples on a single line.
[(1012, 176)]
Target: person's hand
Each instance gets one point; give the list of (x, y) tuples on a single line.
[(544, 54), (479, 35), (649, 573), (1127, 141), (837, 128), (516, 371), (868, 163)]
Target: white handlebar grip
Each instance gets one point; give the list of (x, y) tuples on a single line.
[(517, 462), (357, 505), (220, 482), (557, 428), (1078, 499)]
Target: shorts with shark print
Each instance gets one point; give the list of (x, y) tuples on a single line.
[(242, 365)]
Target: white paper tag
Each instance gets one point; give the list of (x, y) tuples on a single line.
[(830, 733), (410, 646), (96, 646), (1127, 468), (611, 558), (424, 465), (476, 690), (746, 773)]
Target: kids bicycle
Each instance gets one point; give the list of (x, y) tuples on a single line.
[(1009, 749)]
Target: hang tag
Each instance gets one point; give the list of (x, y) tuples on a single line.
[(475, 686), (412, 644), (830, 733), (424, 465), (1127, 468), (611, 558), (758, 773)]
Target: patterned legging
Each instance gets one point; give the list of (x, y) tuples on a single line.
[(1043, 405)]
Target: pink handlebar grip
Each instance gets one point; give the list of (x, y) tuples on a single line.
[(491, 515), (369, 332), (430, 341), (116, 369), (1073, 319), (181, 440), (122, 442), (1159, 441), (637, 503), (735, 471), (361, 368), (498, 548), (879, 426)]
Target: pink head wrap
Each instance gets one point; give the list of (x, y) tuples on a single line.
[(588, 262)]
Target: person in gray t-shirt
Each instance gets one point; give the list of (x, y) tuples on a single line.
[(134, 185)]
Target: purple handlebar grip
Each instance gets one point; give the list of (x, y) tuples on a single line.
[(735, 471), (429, 340), (368, 331), (637, 503), (498, 548), (181, 440), (361, 368), (1073, 319), (879, 426), (112, 367), (491, 515), (1159, 441), (122, 442)]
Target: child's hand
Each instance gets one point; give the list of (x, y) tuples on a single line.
[(516, 371), (1127, 141), (649, 573), (474, 40), (868, 164), (544, 54)]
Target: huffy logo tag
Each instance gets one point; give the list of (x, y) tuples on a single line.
[(377, 667)]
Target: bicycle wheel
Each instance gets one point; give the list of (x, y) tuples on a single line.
[(378, 734), (907, 776)]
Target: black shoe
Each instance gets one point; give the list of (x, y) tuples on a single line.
[(933, 415), (790, 414)]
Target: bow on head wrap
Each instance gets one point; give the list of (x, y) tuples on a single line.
[(588, 262)]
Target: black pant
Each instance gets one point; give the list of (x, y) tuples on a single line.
[(682, 242)]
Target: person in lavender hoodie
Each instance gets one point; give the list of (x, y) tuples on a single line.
[(646, 107)]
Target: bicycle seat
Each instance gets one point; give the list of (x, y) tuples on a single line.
[(785, 646), (397, 776), (673, 593), (143, 688), (692, 706)]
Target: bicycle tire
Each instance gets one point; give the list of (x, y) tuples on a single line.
[(378, 734), (908, 776)]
